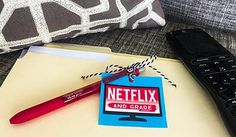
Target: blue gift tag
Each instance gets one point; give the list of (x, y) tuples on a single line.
[(139, 103)]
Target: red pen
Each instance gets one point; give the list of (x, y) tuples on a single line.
[(61, 101)]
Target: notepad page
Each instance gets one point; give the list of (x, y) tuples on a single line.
[(69, 53)]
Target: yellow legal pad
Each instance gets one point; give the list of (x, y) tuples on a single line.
[(45, 73)]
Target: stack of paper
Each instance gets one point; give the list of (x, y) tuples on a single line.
[(45, 73)]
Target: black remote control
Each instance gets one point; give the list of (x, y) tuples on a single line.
[(212, 65)]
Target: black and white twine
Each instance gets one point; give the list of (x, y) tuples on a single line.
[(139, 65)]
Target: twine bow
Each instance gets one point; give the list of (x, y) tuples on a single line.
[(131, 69)]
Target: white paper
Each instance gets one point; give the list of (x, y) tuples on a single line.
[(69, 53)]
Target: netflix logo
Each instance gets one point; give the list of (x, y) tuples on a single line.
[(132, 99)]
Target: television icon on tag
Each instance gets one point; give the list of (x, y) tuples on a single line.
[(132, 101)]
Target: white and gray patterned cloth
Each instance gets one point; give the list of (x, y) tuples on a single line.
[(24, 22), (146, 42), (219, 14)]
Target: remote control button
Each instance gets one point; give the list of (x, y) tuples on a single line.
[(207, 70), (214, 58), (202, 65), (233, 66), (221, 57), (214, 77), (222, 88), (232, 79), (211, 78), (228, 75), (215, 83), (233, 102), (226, 82), (222, 68), (200, 60), (227, 94), (216, 63), (230, 61)]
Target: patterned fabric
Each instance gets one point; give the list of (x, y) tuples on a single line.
[(149, 41), (24, 22), (219, 14)]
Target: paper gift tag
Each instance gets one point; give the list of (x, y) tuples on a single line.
[(139, 103)]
